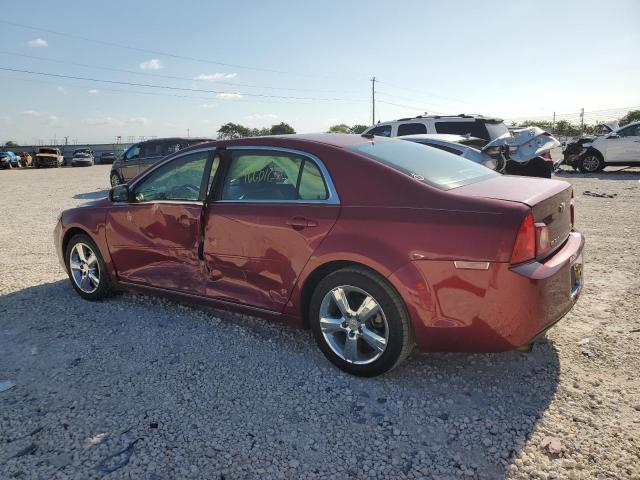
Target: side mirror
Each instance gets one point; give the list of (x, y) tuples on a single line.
[(119, 194)]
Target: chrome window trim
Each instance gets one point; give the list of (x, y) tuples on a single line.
[(332, 199), (155, 167), (170, 158)]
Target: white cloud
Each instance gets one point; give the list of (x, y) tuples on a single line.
[(62, 90), (4, 119), (152, 64), (136, 121), (212, 77), (38, 42), (43, 117), (229, 96), (262, 116), (208, 105), (99, 121), (93, 91)]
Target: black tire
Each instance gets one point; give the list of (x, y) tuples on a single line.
[(400, 340), (591, 162), (115, 179), (105, 287)]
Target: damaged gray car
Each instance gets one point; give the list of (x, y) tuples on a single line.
[(525, 151)]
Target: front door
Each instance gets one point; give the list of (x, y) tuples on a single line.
[(154, 238), (273, 210), (130, 163), (625, 147)]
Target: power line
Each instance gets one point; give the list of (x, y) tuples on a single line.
[(138, 92), (159, 75), (168, 87), (411, 108), (422, 93), (158, 52)]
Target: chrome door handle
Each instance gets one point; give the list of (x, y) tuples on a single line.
[(299, 223)]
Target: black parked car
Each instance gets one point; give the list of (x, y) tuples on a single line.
[(108, 157), (142, 155)]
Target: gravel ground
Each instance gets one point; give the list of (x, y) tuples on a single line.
[(137, 387)]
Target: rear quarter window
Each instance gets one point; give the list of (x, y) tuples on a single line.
[(411, 129)]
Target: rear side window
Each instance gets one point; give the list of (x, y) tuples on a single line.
[(152, 149), (381, 131), (473, 128), (272, 176), (411, 129), (434, 167)]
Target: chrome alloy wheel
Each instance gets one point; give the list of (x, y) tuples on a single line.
[(84, 266), (590, 163), (353, 325)]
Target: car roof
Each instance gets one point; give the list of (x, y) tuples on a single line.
[(461, 116), (338, 140), (177, 139)]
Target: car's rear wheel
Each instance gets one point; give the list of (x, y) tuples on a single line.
[(360, 322), (115, 179), (591, 162), (86, 268)]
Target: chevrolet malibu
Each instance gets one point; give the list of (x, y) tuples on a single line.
[(377, 245)]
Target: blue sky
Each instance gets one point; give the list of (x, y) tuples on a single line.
[(505, 58)]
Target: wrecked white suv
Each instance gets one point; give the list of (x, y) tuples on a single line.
[(618, 147)]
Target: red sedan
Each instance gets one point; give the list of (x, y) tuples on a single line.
[(374, 244)]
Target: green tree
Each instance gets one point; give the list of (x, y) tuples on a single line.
[(281, 129), (11, 144), (341, 128), (358, 128), (233, 130), (631, 116)]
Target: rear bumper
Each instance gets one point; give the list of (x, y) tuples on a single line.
[(500, 308)]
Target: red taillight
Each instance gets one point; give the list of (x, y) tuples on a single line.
[(525, 247)]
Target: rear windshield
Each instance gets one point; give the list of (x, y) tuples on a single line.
[(434, 167), (496, 129)]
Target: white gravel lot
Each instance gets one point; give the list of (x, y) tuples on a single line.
[(137, 387)]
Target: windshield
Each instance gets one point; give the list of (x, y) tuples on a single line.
[(48, 150), (434, 167), (82, 150)]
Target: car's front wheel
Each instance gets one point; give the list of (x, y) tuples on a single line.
[(360, 322), (115, 179), (591, 162), (86, 268)]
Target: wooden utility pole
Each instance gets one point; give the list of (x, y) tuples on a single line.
[(373, 100), (582, 121), (553, 124)]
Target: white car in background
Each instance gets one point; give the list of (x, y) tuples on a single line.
[(620, 147)]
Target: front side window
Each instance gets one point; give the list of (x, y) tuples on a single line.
[(272, 176), (434, 167), (411, 129), (179, 180), (132, 153), (381, 131), (632, 131)]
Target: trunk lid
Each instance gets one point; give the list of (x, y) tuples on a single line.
[(523, 144), (549, 200)]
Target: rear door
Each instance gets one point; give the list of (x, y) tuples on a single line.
[(274, 207)]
